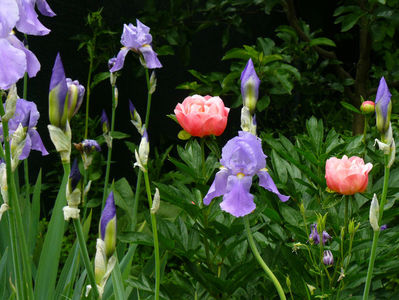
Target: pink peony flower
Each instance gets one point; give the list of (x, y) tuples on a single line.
[(347, 176), (201, 116)]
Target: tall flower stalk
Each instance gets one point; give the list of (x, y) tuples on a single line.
[(383, 108)]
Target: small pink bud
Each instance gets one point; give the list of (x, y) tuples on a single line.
[(367, 107)]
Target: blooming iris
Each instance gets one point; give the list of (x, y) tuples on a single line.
[(383, 106), (250, 86), (201, 116), (65, 97), (26, 113), (138, 39), (347, 176), (15, 59), (242, 158)]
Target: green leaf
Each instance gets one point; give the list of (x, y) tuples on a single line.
[(35, 213), (290, 215), (136, 238), (236, 53), (270, 58), (99, 77), (123, 194), (48, 264), (263, 103), (117, 282), (350, 107), (322, 41), (119, 135)]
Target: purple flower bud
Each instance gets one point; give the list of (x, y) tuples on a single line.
[(90, 146), (65, 97), (314, 235), (383, 227), (328, 258), (104, 122), (250, 86), (74, 175), (383, 106), (108, 225), (326, 237)]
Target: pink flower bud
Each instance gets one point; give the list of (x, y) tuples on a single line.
[(201, 116), (347, 176), (367, 107)]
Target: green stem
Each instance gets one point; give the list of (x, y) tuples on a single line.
[(85, 176), (85, 256), (105, 193), (88, 96), (16, 217), (155, 237), (261, 261), (377, 233), (140, 174), (346, 213)]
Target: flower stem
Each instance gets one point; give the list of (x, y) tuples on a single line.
[(140, 173), (261, 261), (16, 218), (85, 256), (88, 95), (155, 237), (105, 190), (346, 213), (377, 233)]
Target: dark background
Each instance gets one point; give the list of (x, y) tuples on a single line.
[(200, 49)]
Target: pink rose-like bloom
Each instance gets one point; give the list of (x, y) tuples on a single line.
[(347, 176), (201, 116)]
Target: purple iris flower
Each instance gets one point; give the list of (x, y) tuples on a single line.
[(26, 113), (250, 86), (383, 106), (65, 96), (111, 62), (104, 121), (15, 60), (137, 39), (328, 258), (108, 225), (242, 158), (90, 146)]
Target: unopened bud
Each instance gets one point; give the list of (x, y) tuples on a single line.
[(374, 213), (367, 107)]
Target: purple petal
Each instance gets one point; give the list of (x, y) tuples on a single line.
[(108, 213), (90, 145), (134, 37), (37, 143), (12, 64), (383, 97), (26, 151), (249, 73), (74, 175), (28, 19), (218, 186), (58, 75), (44, 8), (238, 201), (266, 181), (243, 154), (32, 63), (150, 57), (120, 60), (9, 16)]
